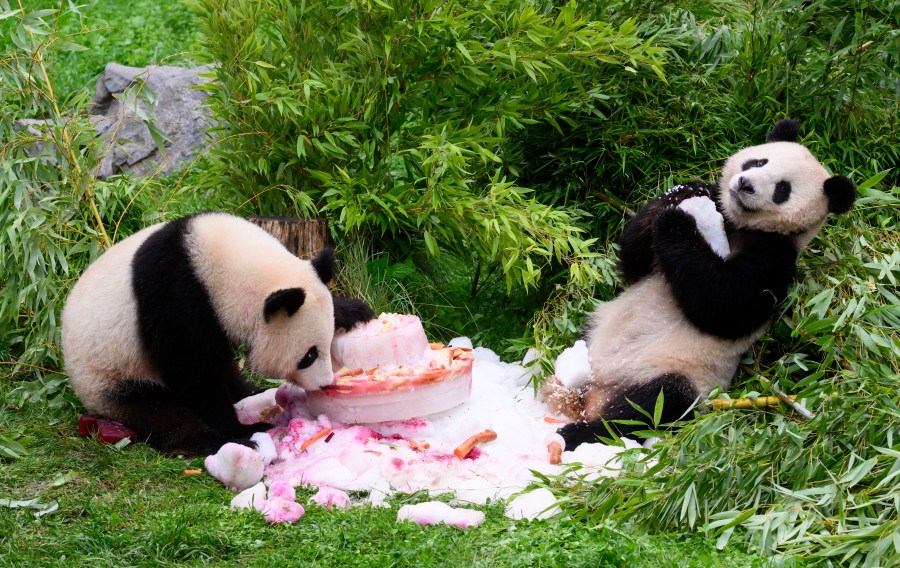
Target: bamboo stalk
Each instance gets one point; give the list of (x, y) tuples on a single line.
[(744, 403), (67, 144), (789, 400)]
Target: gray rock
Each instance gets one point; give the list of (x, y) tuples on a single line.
[(176, 112)]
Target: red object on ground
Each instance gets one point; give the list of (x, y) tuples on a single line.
[(108, 431)]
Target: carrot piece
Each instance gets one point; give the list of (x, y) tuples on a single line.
[(192, 472), (371, 371), (318, 435), (551, 420), (555, 452), (463, 449), (348, 372)]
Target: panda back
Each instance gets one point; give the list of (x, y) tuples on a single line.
[(99, 332)]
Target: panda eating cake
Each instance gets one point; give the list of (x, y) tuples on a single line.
[(149, 331), (707, 267), (387, 370)]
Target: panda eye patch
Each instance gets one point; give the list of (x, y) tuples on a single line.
[(782, 192), (309, 358), (754, 164)]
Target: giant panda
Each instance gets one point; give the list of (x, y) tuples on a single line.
[(694, 306), (149, 331)]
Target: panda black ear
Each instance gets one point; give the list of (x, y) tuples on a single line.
[(786, 130), (289, 300), (324, 264), (841, 194)]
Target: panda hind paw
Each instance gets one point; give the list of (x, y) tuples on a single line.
[(577, 433)]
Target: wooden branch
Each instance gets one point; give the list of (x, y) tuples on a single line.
[(607, 199)]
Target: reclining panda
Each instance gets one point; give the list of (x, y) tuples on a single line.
[(149, 331), (707, 267)]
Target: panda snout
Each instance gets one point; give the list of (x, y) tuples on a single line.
[(745, 185)]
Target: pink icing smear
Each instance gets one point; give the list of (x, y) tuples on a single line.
[(373, 461)]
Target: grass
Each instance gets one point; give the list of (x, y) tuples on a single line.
[(133, 507), (138, 33)]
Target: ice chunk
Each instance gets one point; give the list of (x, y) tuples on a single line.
[(265, 446), (572, 367), (283, 511), (530, 367), (282, 490), (435, 512), (293, 400), (257, 408), (461, 342), (251, 498), (331, 498), (236, 466), (485, 354), (537, 504)]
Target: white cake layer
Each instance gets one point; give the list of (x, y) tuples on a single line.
[(410, 402), (388, 341)]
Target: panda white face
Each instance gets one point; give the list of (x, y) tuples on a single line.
[(775, 187), (267, 298), (293, 339)]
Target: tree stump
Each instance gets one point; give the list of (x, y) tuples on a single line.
[(303, 237)]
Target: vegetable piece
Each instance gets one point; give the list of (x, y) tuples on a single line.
[(317, 436), (108, 431), (555, 452), (348, 372), (463, 449)]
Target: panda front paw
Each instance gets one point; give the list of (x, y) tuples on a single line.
[(684, 191), (674, 223), (710, 223)]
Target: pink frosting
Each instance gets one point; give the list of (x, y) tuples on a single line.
[(283, 511), (282, 490), (331, 498)]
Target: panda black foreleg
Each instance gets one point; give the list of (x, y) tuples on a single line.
[(636, 255), (205, 390), (729, 297), (237, 387), (211, 396), (679, 394), (163, 421)]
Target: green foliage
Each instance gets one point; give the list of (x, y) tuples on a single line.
[(397, 116), (502, 135), (54, 216), (74, 501), (733, 70), (91, 33), (372, 277), (826, 487)]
